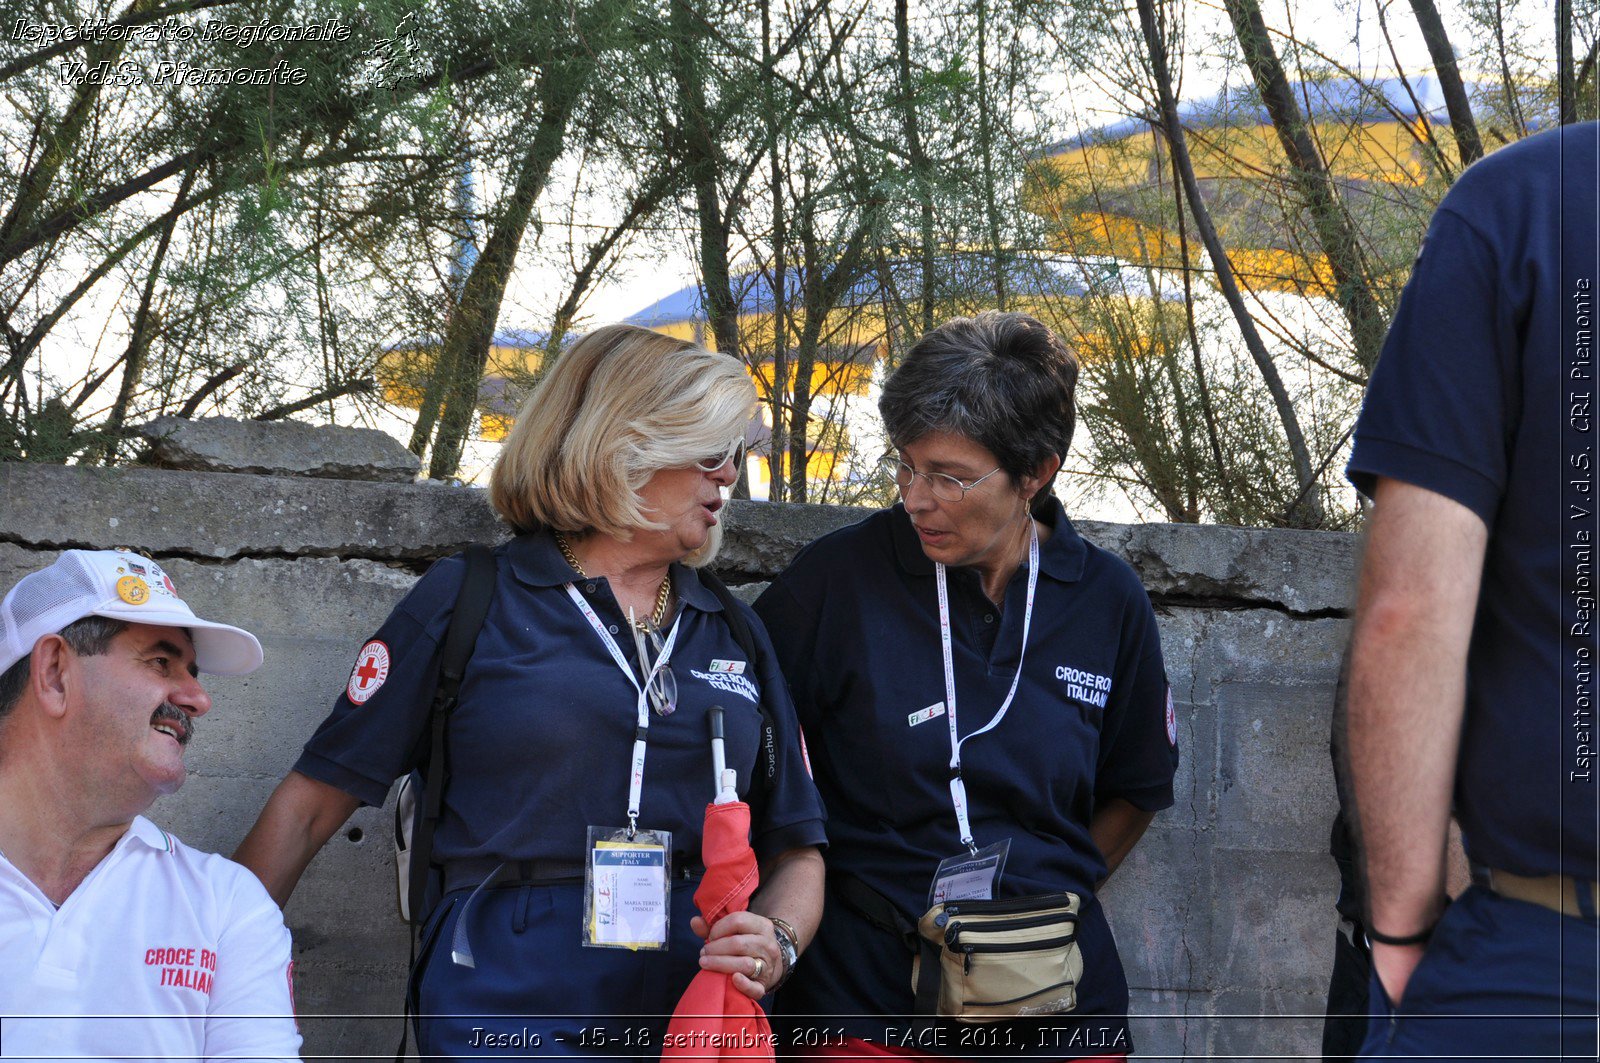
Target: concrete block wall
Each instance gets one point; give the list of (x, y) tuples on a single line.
[(1223, 912)]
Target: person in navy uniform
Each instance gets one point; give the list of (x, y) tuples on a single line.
[(1472, 678), (600, 659), (1067, 739)]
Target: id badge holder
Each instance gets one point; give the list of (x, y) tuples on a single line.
[(970, 876), (627, 889)]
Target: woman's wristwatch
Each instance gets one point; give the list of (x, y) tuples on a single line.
[(788, 948)]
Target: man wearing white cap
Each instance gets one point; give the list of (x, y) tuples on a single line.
[(116, 939)]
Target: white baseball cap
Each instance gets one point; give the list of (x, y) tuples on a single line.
[(122, 586)]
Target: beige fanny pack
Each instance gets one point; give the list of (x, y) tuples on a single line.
[(1000, 959)]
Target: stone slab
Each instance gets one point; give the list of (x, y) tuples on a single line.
[(1267, 1024), (1159, 906), (1275, 931), (228, 515), (1299, 571), (276, 448), (1167, 1025), (1275, 785)]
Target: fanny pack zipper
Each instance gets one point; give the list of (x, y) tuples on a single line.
[(968, 948), (1015, 904), (953, 931)]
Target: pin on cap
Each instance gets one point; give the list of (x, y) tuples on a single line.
[(121, 586)]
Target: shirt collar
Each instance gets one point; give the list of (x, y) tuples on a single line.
[(536, 560), (142, 830), (1061, 556)]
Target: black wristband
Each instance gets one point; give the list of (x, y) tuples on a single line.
[(1419, 938)]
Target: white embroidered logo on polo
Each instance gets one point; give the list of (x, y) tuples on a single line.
[(1087, 687), (371, 669), (733, 684)]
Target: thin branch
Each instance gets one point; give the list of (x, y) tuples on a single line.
[(357, 386)]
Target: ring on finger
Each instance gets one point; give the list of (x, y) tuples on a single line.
[(761, 966)]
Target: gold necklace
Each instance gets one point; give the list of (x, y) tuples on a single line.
[(663, 596)]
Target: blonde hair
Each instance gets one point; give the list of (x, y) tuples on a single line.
[(621, 404)]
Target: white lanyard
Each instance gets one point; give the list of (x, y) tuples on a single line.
[(642, 730), (958, 789)]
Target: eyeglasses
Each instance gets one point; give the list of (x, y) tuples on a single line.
[(715, 462), (663, 686), (945, 488)]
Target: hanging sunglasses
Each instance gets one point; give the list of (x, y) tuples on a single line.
[(663, 688)]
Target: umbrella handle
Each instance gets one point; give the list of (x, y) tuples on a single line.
[(724, 778)]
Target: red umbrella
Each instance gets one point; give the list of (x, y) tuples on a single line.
[(714, 1020)]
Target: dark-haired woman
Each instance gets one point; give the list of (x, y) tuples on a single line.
[(985, 702)]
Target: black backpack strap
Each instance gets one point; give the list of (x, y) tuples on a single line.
[(878, 910), (747, 642), (472, 605)]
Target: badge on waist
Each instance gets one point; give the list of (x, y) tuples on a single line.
[(970, 876), (627, 896)]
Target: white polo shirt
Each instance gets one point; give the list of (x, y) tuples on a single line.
[(162, 952)]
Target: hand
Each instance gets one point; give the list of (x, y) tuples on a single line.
[(1394, 965), (733, 947)]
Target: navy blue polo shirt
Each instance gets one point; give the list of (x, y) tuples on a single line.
[(542, 738), (855, 620), (1485, 394)]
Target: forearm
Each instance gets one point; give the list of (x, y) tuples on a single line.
[(1115, 827), (299, 818), (1408, 674), (744, 945), (791, 890), (1404, 724)]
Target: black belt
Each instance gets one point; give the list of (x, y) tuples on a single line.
[(493, 874), (467, 874)]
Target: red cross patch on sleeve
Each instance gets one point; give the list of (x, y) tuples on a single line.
[(371, 669)]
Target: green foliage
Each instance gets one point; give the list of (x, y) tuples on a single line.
[(168, 246)]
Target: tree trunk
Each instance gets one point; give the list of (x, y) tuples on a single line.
[(1468, 144), (465, 351), (702, 165), (1310, 508), (991, 213), (921, 170), (777, 448), (1312, 182), (146, 321), (1567, 105), (824, 282), (1224, 481)]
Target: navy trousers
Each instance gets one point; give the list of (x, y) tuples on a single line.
[(535, 991), (1501, 979)]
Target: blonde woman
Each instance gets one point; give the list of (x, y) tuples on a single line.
[(580, 754)]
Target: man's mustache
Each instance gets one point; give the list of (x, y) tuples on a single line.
[(180, 721)]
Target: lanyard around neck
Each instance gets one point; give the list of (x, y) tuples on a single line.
[(958, 789), (642, 729)]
